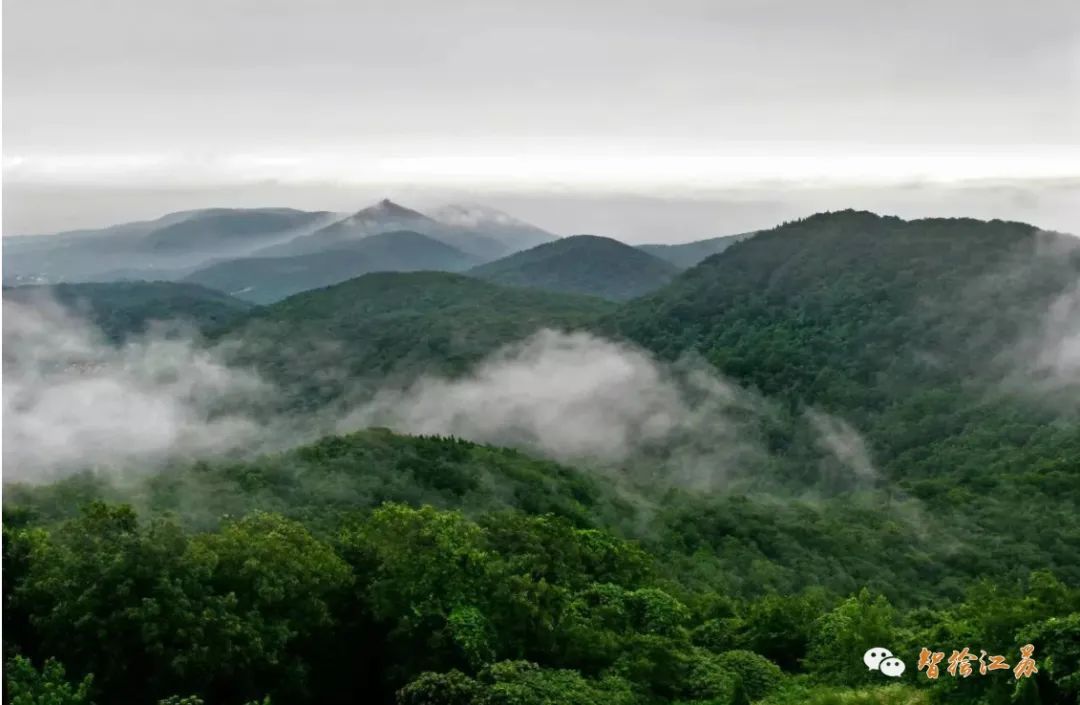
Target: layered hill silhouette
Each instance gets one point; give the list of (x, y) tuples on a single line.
[(387, 216), (157, 249), (176, 246), (269, 279), (582, 264)]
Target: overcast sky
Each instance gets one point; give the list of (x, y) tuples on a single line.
[(649, 120)]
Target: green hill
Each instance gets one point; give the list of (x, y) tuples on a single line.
[(319, 343), (582, 264), (324, 481), (686, 255), (123, 308), (934, 338), (268, 279), (880, 305)]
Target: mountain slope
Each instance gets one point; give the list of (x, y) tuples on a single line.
[(513, 233), (172, 242), (933, 359), (582, 264), (224, 228), (124, 308), (336, 475), (939, 332), (321, 345), (387, 216), (686, 255), (269, 279)]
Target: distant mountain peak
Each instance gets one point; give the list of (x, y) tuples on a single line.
[(387, 209)]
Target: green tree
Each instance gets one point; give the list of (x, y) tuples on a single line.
[(844, 634), (25, 685)]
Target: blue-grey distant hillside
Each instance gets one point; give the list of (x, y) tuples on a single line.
[(268, 279), (513, 233), (155, 249), (178, 245), (688, 254), (485, 236)]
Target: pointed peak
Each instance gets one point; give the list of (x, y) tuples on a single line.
[(387, 208)]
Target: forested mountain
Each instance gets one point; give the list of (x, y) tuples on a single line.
[(120, 309), (138, 250), (320, 343), (945, 342), (687, 254), (387, 216), (581, 264), (860, 312), (268, 279), (910, 391)]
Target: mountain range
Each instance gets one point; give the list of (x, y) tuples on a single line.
[(152, 249), (861, 430), (268, 279), (263, 255)]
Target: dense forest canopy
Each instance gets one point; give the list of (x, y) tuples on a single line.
[(901, 397)]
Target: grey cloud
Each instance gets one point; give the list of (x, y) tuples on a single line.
[(842, 442), (577, 397), (71, 401), (1058, 352)]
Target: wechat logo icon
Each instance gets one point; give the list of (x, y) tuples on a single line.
[(881, 659)]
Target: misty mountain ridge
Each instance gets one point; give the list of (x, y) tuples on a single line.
[(494, 223), (268, 279), (172, 242), (387, 216), (174, 246)]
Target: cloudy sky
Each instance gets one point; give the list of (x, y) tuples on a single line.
[(645, 120)]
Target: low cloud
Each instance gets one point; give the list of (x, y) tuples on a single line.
[(579, 398), (72, 401), (843, 444), (1044, 362), (1058, 355)]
